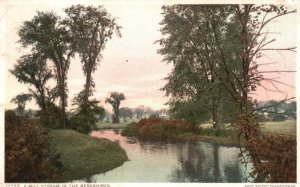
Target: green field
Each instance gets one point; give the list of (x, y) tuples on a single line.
[(287, 127), (84, 156)]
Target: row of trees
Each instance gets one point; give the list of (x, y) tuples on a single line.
[(140, 112), (215, 51), (52, 42), (277, 110)]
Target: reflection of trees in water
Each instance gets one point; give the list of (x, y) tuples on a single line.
[(232, 172), (117, 131), (201, 163), (157, 146)]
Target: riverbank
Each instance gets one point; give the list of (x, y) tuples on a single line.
[(84, 156), (110, 125), (224, 136), (156, 129)]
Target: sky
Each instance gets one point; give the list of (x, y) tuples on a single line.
[(130, 64)]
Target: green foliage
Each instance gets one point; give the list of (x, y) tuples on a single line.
[(202, 44), (192, 111), (276, 117), (90, 28), (29, 156), (85, 117), (32, 69), (291, 109), (115, 99), (51, 116), (46, 35), (131, 130), (21, 100), (228, 109), (276, 110)]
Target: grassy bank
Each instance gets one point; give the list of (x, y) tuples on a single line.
[(109, 125), (287, 127), (84, 156), (166, 129), (226, 136)]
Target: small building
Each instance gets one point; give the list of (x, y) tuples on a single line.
[(163, 114)]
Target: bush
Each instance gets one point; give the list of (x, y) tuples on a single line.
[(279, 156), (130, 130), (157, 128), (51, 117), (84, 119), (28, 155)]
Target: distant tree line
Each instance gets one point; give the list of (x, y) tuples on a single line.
[(276, 110)]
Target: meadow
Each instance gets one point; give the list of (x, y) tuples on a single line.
[(287, 127), (83, 155)]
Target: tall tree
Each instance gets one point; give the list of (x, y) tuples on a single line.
[(189, 45), (32, 69), (115, 99), (47, 36), (233, 39), (254, 40), (91, 27)]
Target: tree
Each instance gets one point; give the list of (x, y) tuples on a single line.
[(47, 36), (32, 69), (252, 21), (189, 45), (191, 111), (115, 99), (125, 112), (21, 100), (291, 109), (148, 111), (90, 27), (231, 40), (139, 111), (86, 114)]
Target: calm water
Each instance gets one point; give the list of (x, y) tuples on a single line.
[(184, 161)]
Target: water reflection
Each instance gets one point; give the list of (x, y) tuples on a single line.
[(182, 161), (205, 162)]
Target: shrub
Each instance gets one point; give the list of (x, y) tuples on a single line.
[(279, 156), (28, 155), (51, 117), (84, 119), (157, 128), (130, 130)]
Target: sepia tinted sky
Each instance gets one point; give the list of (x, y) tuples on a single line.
[(131, 64)]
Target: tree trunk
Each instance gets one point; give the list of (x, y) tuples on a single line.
[(87, 86), (215, 113), (117, 116), (63, 103)]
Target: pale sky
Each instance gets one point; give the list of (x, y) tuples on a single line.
[(130, 64)]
